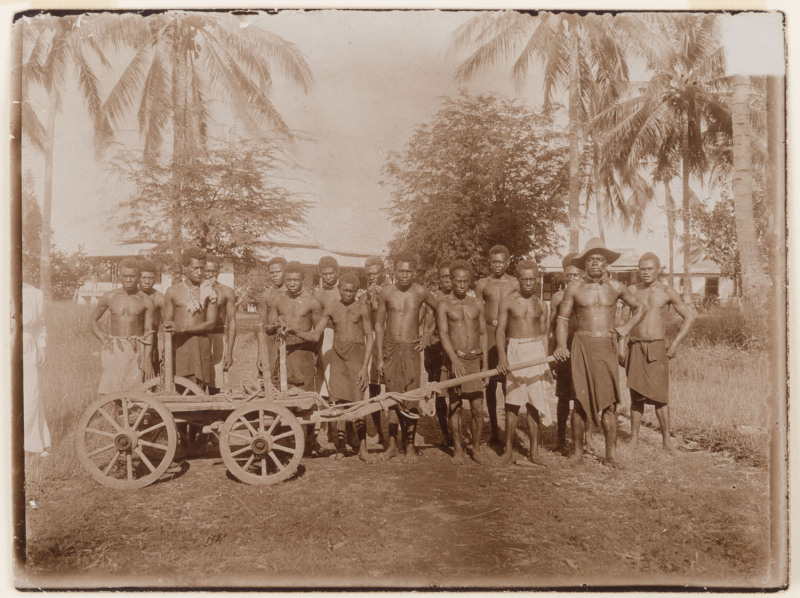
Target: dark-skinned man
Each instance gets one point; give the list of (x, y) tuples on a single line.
[(595, 345), (223, 335)]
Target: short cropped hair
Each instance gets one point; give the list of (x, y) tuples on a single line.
[(328, 261), (460, 265), (349, 278), (445, 264), (294, 267), (281, 261), (374, 260), (148, 266), (131, 263), (405, 257), (651, 256), (500, 249), (212, 259), (527, 265), (193, 253)]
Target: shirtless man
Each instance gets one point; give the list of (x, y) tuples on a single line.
[(376, 275), (399, 343), (147, 280), (190, 312), (349, 358), (595, 351), (326, 293), (522, 319), (267, 348), (434, 353), (127, 347), (564, 390), (223, 335), (293, 316), (647, 365), (491, 291), (462, 327)]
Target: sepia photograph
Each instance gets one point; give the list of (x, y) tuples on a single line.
[(398, 299)]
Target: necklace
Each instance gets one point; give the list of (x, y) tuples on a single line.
[(193, 304)]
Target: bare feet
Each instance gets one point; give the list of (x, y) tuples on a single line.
[(477, 457), (536, 460), (364, 456), (671, 450), (389, 453), (633, 443), (613, 463), (458, 459), (336, 456), (506, 457), (411, 454)]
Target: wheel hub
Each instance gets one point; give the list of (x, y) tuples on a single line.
[(125, 442), (261, 446)]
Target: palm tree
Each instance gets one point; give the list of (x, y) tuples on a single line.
[(55, 44), (574, 50), (682, 105), (181, 61)]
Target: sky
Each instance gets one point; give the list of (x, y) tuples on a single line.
[(378, 75)]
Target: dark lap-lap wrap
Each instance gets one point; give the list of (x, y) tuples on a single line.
[(401, 366), (647, 369), (595, 371), (301, 365), (346, 361), (472, 365), (193, 356)]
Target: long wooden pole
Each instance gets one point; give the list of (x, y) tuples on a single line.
[(489, 373), (169, 370)]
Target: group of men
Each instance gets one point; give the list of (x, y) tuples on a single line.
[(343, 342)]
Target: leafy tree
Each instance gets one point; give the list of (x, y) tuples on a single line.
[(483, 171), (229, 205), (680, 111), (715, 234), (52, 47), (70, 270), (576, 51), (181, 61)]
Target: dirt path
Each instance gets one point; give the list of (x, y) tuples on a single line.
[(697, 519)]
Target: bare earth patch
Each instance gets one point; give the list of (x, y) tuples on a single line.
[(699, 519)]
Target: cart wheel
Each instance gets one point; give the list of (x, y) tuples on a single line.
[(126, 440), (183, 386), (262, 443)]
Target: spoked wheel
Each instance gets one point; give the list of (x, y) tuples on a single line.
[(126, 440), (262, 443), (183, 386)]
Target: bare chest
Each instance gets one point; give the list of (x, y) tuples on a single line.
[(126, 305), (525, 309)]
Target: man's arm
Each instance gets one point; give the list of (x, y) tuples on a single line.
[(261, 333), (686, 312), (500, 336), (319, 329), (638, 307), (380, 328), (429, 300), (561, 352), (447, 344), (230, 328), (150, 336), (555, 301), (169, 307), (366, 327), (543, 319), (484, 339), (479, 289), (94, 326)]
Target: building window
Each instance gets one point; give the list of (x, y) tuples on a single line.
[(712, 286)]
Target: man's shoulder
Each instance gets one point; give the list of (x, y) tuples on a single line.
[(224, 289), (557, 297)]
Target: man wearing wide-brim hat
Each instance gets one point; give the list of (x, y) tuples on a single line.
[(595, 369)]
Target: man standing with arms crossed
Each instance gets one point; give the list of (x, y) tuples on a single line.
[(595, 350), (399, 344), (462, 327), (491, 291), (147, 281), (647, 365), (564, 389), (522, 319), (126, 354), (223, 335), (267, 348)]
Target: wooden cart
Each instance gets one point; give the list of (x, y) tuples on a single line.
[(128, 439)]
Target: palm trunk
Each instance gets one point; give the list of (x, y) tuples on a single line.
[(574, 143), (179, 147), (45, 276), (670, 205), (599, 194), (752, 271), (687, 242)]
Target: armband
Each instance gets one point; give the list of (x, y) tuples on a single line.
[(563, 318)]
